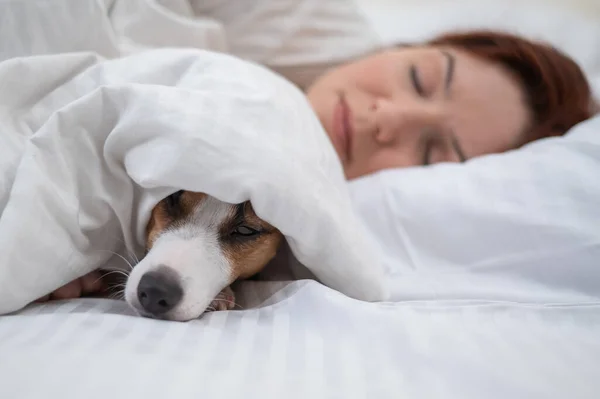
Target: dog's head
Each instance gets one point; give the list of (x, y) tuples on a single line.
[(197, 245)]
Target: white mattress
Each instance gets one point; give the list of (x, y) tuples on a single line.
[(302, 340)]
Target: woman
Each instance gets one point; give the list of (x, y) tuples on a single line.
[(456, 97)]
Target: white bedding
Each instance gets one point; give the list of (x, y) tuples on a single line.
[(304, 341), (89, 147), (292, 339)]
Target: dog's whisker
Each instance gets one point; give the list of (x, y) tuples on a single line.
[(119, 272), (134, 256), (119, 255), (129, 252), (115, 296), (118, 294), (118, 286)]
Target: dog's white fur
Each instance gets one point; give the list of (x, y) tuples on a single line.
[(193, 251)]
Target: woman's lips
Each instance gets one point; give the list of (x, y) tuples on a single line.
[(341, 126)]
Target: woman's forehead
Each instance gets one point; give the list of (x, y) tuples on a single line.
[(484, 104), (487, 105)]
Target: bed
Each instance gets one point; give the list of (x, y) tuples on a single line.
[(477, 334), (302, 340)]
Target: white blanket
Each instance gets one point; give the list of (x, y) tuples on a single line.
[(89, 147)]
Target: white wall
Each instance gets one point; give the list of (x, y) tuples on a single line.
[(587, 6)]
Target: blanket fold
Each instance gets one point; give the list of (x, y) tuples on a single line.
[(89, 147)]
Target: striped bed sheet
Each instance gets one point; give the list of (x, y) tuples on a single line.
[(303, 340)]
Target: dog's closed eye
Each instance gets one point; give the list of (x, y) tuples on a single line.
[(244, 231)]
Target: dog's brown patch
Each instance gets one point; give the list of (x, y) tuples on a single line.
[(163, 214), (248, 256), (159, 220)]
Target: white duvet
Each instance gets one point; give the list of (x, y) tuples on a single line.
[(88, 148)]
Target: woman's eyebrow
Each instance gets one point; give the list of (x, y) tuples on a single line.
[(449, 69)]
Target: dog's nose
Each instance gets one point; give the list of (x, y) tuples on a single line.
[(159, 292)]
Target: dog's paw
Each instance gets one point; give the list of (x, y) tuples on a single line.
[(224, 301)]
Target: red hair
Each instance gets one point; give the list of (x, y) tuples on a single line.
[(555, 88)]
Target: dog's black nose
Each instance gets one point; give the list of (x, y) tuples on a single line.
[(159, 292)]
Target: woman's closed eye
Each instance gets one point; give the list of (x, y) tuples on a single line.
[(438, 147), (416, 81)]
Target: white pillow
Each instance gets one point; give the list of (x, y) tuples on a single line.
[(521, 226)]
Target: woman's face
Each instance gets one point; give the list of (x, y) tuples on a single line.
[(417, 106)]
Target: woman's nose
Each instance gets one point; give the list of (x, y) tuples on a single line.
[(402, 118)]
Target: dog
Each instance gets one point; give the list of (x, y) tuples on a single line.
[(197, 246)]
